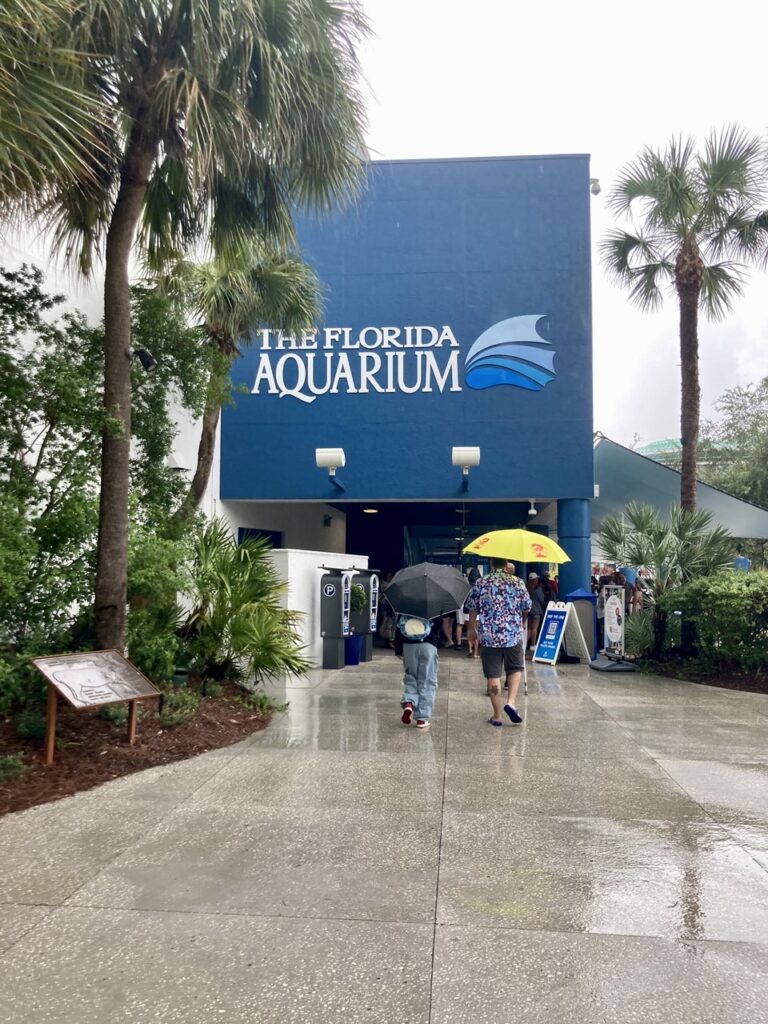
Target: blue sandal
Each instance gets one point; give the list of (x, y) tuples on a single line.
[(492, 721)]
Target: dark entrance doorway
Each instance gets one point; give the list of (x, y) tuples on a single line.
[(394, 534)]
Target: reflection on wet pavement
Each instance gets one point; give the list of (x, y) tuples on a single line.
[(613, 849)]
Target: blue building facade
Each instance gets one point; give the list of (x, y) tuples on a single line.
[(457, 313)]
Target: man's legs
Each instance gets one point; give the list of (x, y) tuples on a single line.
[(493, 663), (410, 679), (513, 685), (494, 692), (514, 662), (429, 663)]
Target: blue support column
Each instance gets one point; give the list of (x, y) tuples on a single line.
[(573, 535)]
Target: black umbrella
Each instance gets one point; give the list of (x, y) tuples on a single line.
[(427, 590)]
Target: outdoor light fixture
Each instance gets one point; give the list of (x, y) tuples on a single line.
[(594, 186), (331, 459), (145, 357), (532, 510), (466, 458), (370, 511)]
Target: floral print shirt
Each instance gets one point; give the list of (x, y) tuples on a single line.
[(499, 600)]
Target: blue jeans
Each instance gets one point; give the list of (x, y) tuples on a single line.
[(420, 681)]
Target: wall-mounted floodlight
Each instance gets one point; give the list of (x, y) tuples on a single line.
[(331, 459), (466, 458), (532, 511), (594, 186)]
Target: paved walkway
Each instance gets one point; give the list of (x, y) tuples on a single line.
[(605, 862)]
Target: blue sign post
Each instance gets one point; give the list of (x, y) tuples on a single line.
[(551, 634)]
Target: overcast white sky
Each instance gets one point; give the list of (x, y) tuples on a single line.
[(499, 77)]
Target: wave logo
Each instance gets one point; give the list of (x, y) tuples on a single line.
[(511, 352)]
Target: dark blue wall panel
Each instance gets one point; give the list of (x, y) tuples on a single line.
[(462, 243)]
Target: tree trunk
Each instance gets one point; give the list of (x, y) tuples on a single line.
[(688, 273), (659, 622), (205, 450), (112, 554)]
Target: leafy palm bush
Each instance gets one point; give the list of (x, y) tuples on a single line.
[(730, 614), (685, 548), (638, 634), (236, 628)]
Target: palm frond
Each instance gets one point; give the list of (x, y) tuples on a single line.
[(721, 284), (637, 262)]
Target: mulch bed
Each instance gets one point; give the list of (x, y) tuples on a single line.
[(91, 750), (692, 672)]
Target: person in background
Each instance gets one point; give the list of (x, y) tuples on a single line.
[(473, 647), (741, 562), (547, 590), (447, 625), (538, 607), (638, 595), (501, 603), (551, 584), (458, 629)]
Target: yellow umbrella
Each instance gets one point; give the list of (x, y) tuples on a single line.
[(518, 546)]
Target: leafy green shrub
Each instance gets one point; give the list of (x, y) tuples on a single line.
[(21, 685), (212, 689), (12, 767), (153, 646), (357, 598), (638, 634), (30, 723), (178, 706), (117, 714), (237, 628), (257, 700), (683, 548), (730, 615)]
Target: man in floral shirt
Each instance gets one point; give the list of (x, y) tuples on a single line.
[(499, 603)]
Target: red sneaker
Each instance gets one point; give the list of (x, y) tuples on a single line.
[(422, 723), (407, 714)]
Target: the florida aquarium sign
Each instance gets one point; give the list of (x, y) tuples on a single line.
[(403, 360)]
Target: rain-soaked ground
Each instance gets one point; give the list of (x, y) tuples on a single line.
[(606, 861)]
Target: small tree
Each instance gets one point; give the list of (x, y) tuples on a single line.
[(702, 217), (232, 298), (737, 442), (673, 553)]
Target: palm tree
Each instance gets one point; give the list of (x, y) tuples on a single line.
[(673, 553), (234, 297), (221, 115), (236, 627), (48, 124), (702, 217)]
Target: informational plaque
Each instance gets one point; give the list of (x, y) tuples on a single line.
[(95, 678), (91, 680)]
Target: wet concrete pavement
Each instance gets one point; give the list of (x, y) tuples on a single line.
[(607, 861)]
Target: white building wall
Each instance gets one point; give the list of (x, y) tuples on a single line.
[(302, 572)]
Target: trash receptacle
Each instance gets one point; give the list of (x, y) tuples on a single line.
[(353, 648)]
